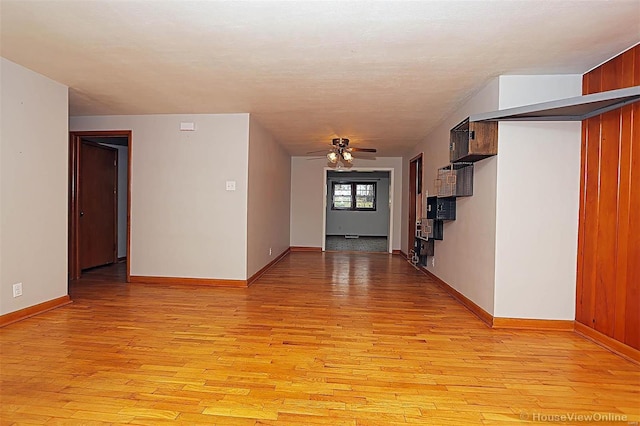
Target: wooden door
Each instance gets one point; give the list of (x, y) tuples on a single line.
[(97, 190), (415, 197)]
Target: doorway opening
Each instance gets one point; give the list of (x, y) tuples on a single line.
[(358, 210), (99, 200)]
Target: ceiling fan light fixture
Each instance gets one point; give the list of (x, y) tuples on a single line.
[(332, 157), (346, 156)]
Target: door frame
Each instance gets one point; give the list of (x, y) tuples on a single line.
[(74, 202), (325, 173)]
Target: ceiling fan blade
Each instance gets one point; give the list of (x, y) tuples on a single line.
[(363, 149), (319, 151)]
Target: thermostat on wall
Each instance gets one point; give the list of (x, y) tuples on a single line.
[(187, 126)]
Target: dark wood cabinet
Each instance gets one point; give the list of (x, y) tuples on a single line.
[(455, 180), (473, 141), (441, 208), (423, 248)]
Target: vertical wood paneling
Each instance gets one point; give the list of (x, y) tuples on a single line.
[(581, 312), (624, 201), (589, 218), (632, 314), (607, 223), (608, 274), (632, 311)]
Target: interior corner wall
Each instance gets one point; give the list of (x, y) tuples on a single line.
[(538, 188), (34, 144), (269, 199), (307, 197), (465, 259), (184, 223)]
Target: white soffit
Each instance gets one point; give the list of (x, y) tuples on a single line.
[(577, 108)]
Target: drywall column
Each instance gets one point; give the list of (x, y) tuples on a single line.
[(538, 184), (34, 144)]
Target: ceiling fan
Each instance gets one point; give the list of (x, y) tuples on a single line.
[(340, 149)]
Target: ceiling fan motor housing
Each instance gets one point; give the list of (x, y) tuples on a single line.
[(341, 142)]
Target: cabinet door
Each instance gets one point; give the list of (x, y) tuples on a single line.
[(446, 209), (469, 142), (483, 139), (432, 207), (459, 145), (437, 230)]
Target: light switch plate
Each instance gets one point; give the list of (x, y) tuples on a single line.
[(231, 185)]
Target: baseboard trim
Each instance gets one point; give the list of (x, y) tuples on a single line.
[(268, 266), (532, 324), (302, 248), (399, 252), (484, 316), (122, 259), (607, 342), (34, 310), (188, 281)]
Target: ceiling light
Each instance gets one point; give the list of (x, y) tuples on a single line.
[(333, 157), (346, 156)]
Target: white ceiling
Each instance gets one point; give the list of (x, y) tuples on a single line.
[(380, 73)]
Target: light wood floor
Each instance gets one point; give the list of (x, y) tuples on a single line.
[(335, 338)]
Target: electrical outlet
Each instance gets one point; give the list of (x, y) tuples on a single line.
[(433, 262), (269, 251), (17, 290)]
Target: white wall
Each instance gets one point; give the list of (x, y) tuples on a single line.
[(537, 204), (307, 197), (365, 223), (465, 259), (33, 187), (123, 158), (183, 221), (269, 199)]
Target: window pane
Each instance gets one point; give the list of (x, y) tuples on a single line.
[(365, 196), (342, 196)]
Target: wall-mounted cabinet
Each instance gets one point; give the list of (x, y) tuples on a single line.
[(441, 208), (422, 249), (436, 230), (473, 141), (455, 180), (430, 229)]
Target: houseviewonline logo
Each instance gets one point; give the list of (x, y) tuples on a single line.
[(576, 417)]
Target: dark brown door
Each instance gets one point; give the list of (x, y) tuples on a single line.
[(97, 204), (415, 199)]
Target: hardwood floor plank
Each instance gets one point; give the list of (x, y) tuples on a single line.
[(320, 338)]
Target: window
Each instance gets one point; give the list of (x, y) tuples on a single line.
[(355, 196)]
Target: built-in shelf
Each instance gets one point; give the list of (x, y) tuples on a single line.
[(571, 109)]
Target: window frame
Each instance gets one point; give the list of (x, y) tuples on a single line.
[(354, 189)]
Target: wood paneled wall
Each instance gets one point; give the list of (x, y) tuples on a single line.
[(608, 275)]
